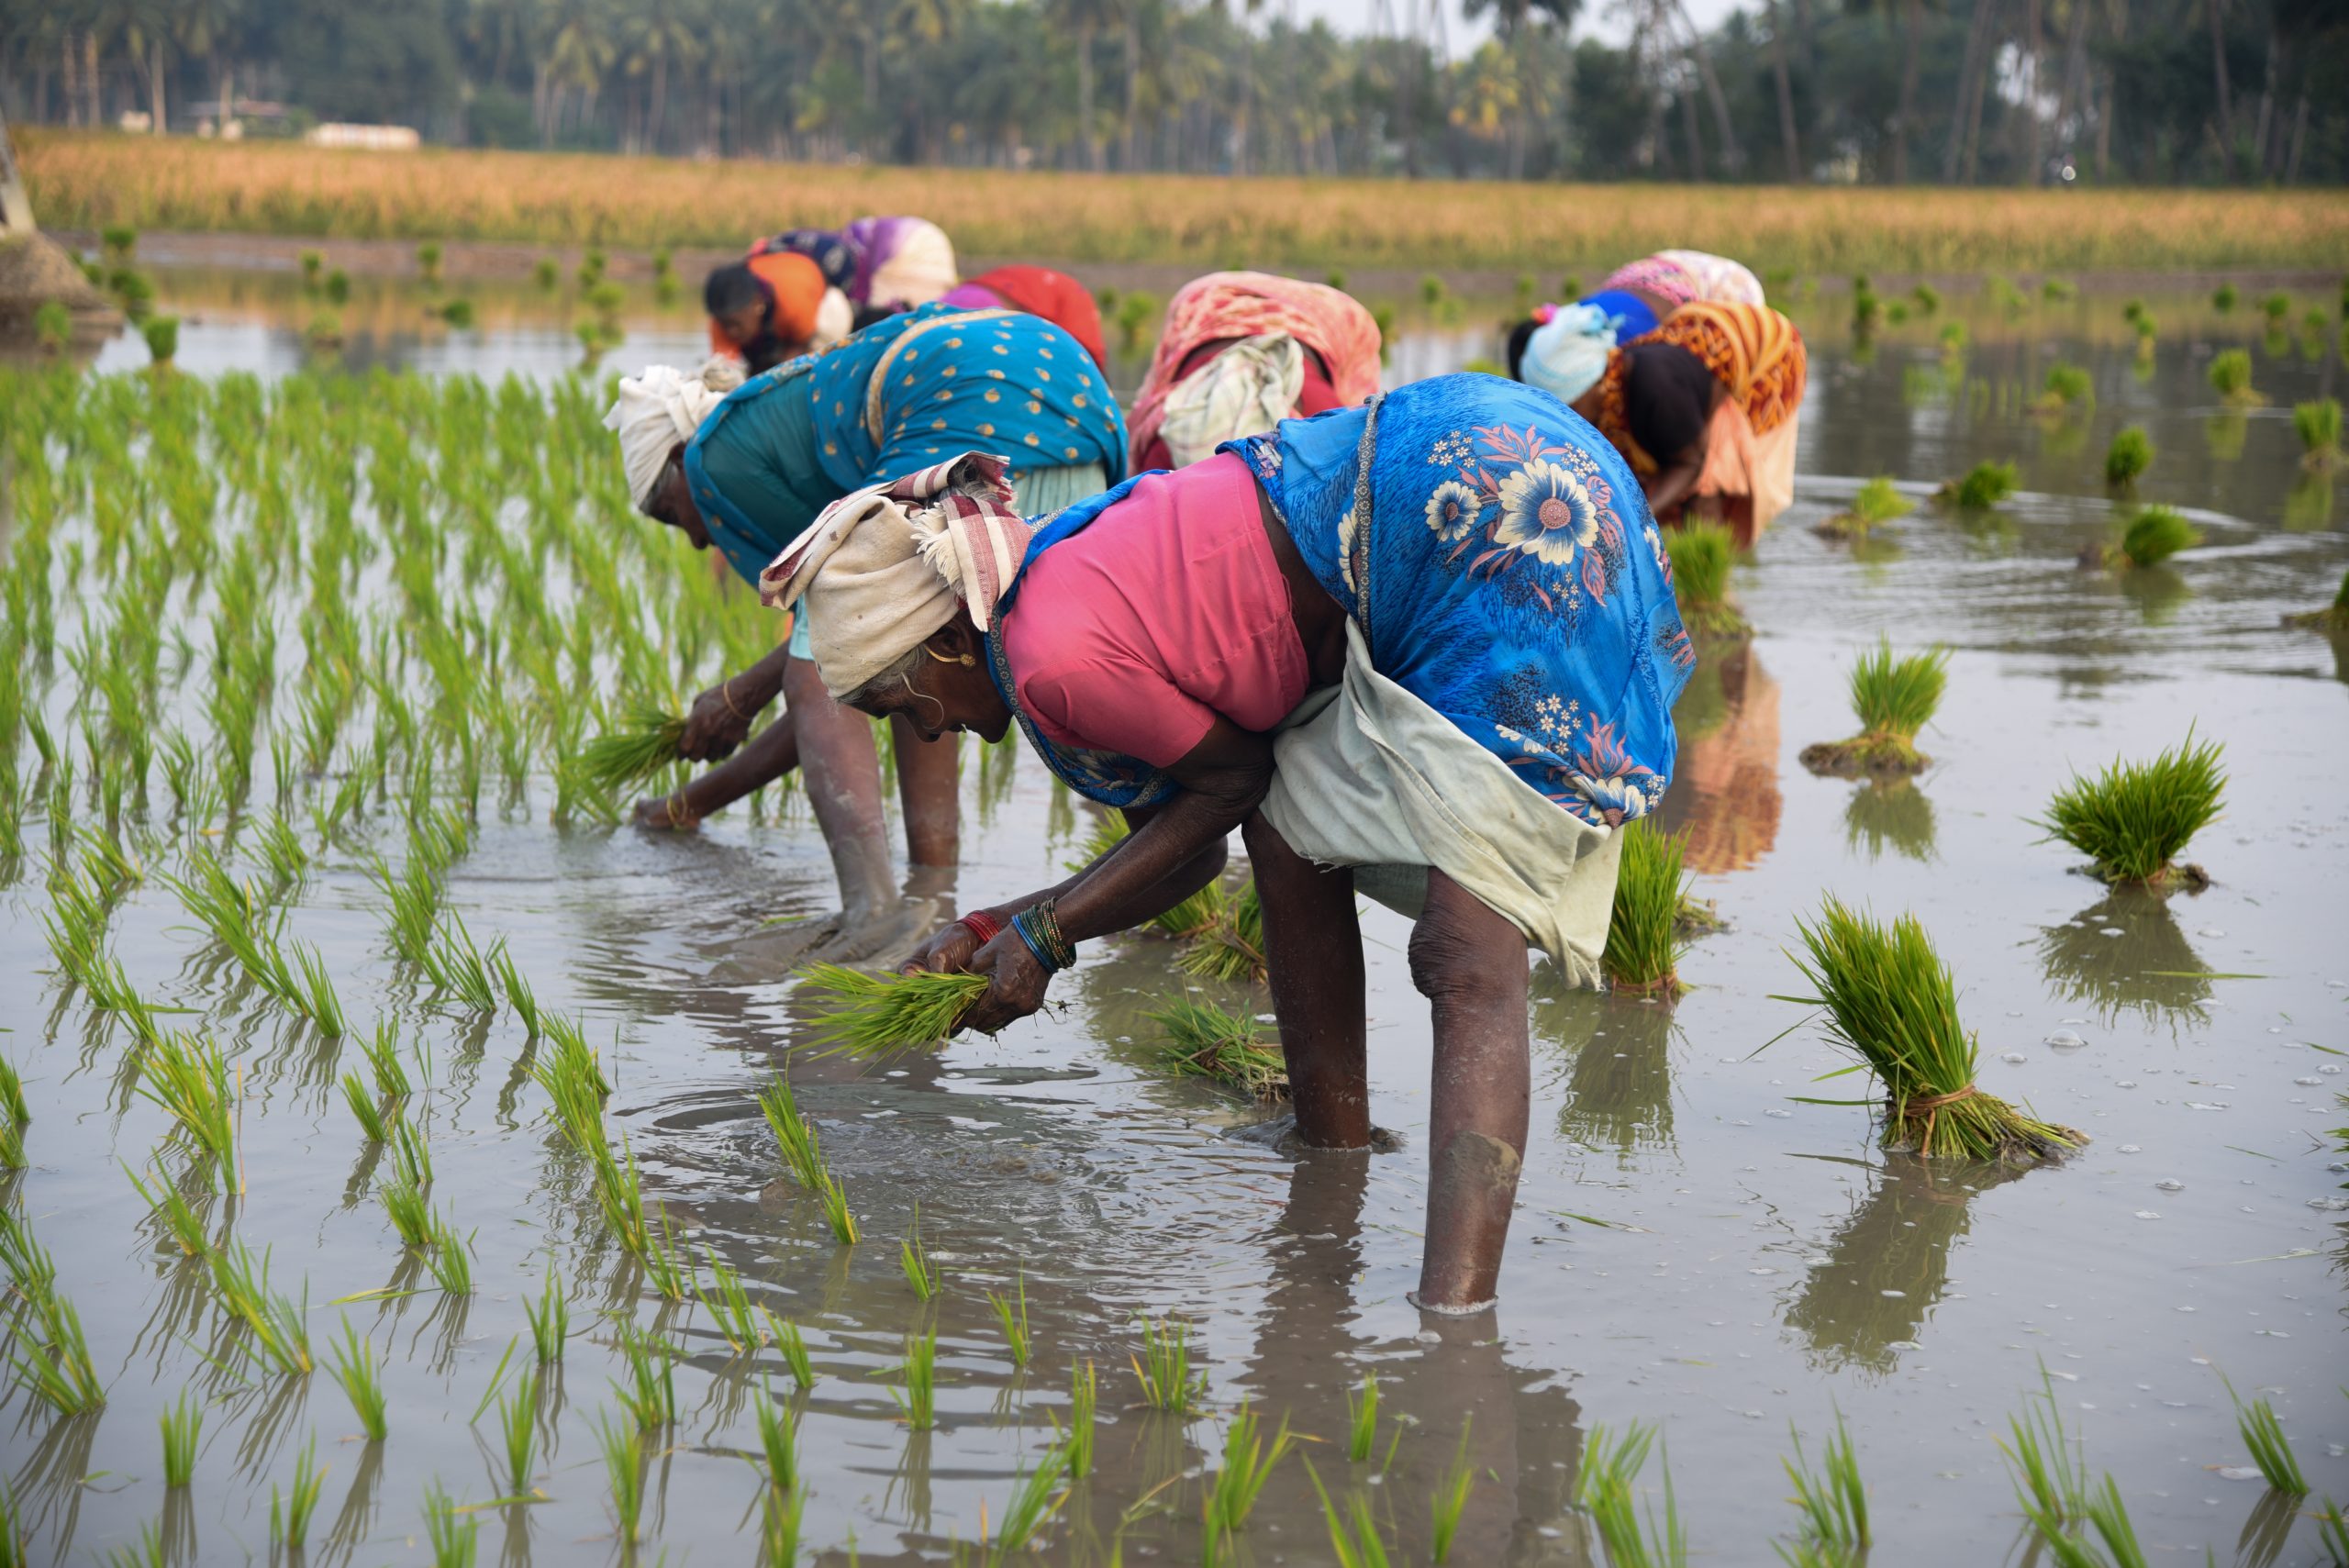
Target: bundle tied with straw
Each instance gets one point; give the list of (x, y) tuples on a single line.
[(874, 1016), (1891, 1000), (1205, 1041), (644, 742)]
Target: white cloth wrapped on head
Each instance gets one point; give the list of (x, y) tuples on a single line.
[(1247, 389), (884, 568), (1567, 354), (659, 407)]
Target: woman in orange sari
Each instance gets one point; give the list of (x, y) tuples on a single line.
[(1704, 409)]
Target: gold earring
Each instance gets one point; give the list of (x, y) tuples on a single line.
[(965, 659)]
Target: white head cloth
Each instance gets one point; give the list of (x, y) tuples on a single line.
[(658, 407), (1247, 389), (1567, 354), (918, 271)]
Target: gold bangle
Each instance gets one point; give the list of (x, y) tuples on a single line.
[(668, 807), (725, 693)]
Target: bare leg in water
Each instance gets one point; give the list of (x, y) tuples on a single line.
[(1471, 965)]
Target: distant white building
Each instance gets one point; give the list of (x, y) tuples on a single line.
[(366, 138)]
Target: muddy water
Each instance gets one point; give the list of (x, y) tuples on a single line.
[(1695, 1246)]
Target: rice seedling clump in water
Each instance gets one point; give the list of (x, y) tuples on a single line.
[(2334, 617), (1702, 555), (1643, 936), (1895, 698), (1985, 485), (1891, 1000), (2152, 535), (2318, 423), (644, 742), (2130, 453), (1205, 1041), (2134, 818), (1877, 501), (2231, 377), (875, 1015)]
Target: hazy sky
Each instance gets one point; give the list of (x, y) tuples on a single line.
[(1596, 19)]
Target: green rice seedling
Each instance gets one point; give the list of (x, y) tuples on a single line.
[(1011, 1311), (517, 1422), (1451, 1497), (411, 1155), (837, 1214), (1643, 935), (780, 1513), (162, 337), (1248, 1463), (2152, 535), (1083, 1400), (281, 850), (458, 965), (2271, 1450), (451, 1258), (2231, 378), (779, 1442), (1895, 698), (1833, 1502), (573, 1079), (1164, 1367), (792, 1346), (180, 1217), (623, 1454), (188, 1077), (794, 1133), (2276, 306), (1985, 485), (183, 1427), (289, 1514), (549, 1317), (2333, 1532), (14, 1111), (731, 1307), (871, 1015), (1604, 1491), (1202, 1040), (519, 995), (150, 1552), (668, 1271), (918, 1399), (644, 743), (2134, 818), (2225, 297), (12, 1145), (317, 999), (373, 1120), (1233, 948), (52, 326), (2069, 389), (2130, 455), (52, 1358), (1355, 1541), (1877, 501), (30, 1269), (1361, 1418), (454, 1538), (1033, 1504), (279, 1329), (1702, 556), (649, 1396), (915, 1260), (2059, 289), (1890, 1000), (2318, 423), (352, 1365), (545, 273)]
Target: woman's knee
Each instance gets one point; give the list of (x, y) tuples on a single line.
[(1460, 950)]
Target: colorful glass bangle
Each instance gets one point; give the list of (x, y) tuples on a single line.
[(982, 925)]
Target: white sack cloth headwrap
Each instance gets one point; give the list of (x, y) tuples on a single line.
[(1245, 390), (658, 407), (919, 269), (1567, 354), (835, 320), (884, 568)]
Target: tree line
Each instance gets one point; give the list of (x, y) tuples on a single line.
[(1972, 92)]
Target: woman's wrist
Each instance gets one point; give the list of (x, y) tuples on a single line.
[(984, 924)]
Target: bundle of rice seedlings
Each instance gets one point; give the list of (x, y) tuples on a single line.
[(1205, 1041), (1644, 933), (1233, 948), (1895, 698), (1876, 502), (2069, 390), (1702, 555), (2152, 535), (1891, 1000), (2334, 617), (2319, 427), (2126, 460), (1985, 485), (874, 1016), (644, 742), (2225, 298), (2134, 818), (2231, 378)]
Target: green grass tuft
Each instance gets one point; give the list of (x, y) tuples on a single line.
[(870, 1016), (2134, 818), (1895, 698), (1645, 941), (1164, 1367), (2153, 535), (1453, 1489), (353, 1365), (2318, 423), (2069, 389), (1986, 485), (2231, 377), (289, 1514), (2263, 1434), (1605, 1492), (1703, 556), (1890, 999), (2130, 453), (1011, 1311), (1833, 1501), (183, 1427)]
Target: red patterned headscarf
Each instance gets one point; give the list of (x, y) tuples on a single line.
[(1244, 305)]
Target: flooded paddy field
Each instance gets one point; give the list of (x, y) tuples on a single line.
[(1697, 1245)]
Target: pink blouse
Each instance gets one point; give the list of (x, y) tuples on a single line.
[(1170, 609)]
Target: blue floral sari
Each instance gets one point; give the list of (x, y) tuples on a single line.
[(1503, 567)]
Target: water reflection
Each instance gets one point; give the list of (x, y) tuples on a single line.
[(1618, 1087), (2157, 590), (2310, 505), (1724, 793), (1887, 1267), (2125, 953), (1889, 814), (2224, 434)]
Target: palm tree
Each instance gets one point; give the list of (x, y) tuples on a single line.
[(654, 39)]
